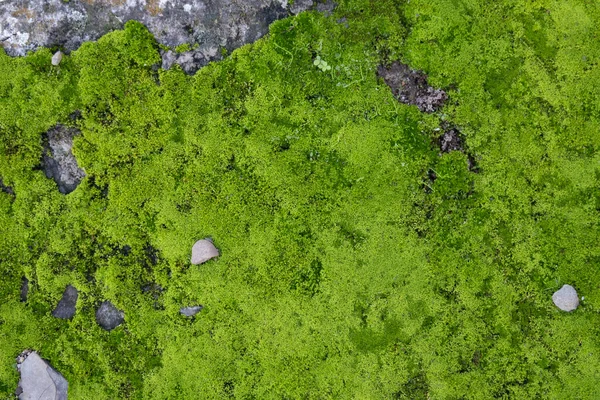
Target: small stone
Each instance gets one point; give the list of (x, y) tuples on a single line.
[(108, 316), (566, 298), (203, 250), (66, 306), (39, 380), (190, 311), (57, 57)]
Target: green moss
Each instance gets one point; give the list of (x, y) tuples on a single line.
[(340, 276)]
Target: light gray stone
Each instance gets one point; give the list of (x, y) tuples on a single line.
[(39, 381), (190, 311), (566, 298), (207, 25), (57, 58), (66, 306), (203, 250), (58, 161), (108, 316)]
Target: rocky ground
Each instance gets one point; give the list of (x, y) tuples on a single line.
[(207, 26)]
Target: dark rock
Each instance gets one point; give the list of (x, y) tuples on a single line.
[(450, 141), (39, 380), (24, 289), (206, 25), (566, 298), (410, 87), (190, 311), (326, 7), (109, 316), (66, 306), (58, 161), (6, 189)]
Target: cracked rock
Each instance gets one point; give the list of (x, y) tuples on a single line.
[(66, 306), (203, 250), (39, 380), (108, 316), (566, 298), (58, 161)]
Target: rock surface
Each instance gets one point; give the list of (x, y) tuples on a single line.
[(57, 58), (451, 141), (203, 250), (66, 306), (58, 161), (566, 298), (24, 289), (190, 311), (410, 87), (6, 189), (108, 316), (206, 25), (39, 381)]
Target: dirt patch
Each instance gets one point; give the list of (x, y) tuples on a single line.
[(410, 87), (450, 141)]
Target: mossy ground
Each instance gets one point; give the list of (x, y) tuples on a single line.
[(340, 276)]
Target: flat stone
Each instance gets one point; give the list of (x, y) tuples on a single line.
[(566, 298), (108, 316), (66, 306), (58, 161), (190, 311), (57, 58), (203, 250), (39, 381)]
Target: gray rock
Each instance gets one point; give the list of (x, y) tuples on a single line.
[(190, 311), (451, 141), (566, 298), (39, 381), (58, 161), (6, 189), (109, 316), (24, 289), (326, 7), (57, 58), (207, 25), (66, 306), (203, 250), (410, 87)]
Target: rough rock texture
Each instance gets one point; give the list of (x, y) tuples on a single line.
[(190, 311), (109, 316), (24, 289), (450, 141), (58, 161), (203, 250), (57, 58), (410, 87), (66, 306), (39, 381), (207, 25), (566, 298)]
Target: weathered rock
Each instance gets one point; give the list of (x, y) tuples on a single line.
[(58, 161), (203, 250), (190, 311), (410, 87), (24, 289), (39, 381), (108, 316), (57, 58), (207, 25), (451, 141), (566, 298), (66, 306)]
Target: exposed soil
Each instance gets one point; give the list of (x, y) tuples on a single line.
[(410, 87)]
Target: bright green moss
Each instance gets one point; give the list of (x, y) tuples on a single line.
[(341, 275)]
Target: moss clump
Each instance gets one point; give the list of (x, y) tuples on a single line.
[(346, 269)]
